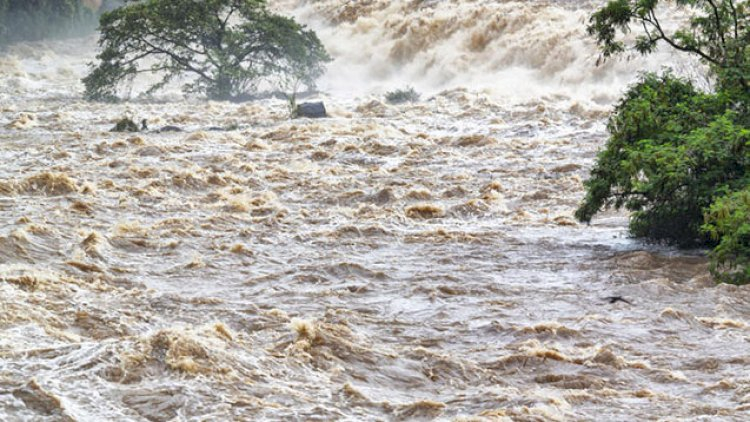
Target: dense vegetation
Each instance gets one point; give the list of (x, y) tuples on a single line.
[(401, 96), (678, 158), (728, 223), (229, 48), (23, 20)]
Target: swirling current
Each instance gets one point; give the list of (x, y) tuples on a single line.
[(390, 262)]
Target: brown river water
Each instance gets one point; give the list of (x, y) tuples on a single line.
[(394, 263)]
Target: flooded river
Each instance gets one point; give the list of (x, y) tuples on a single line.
[(412, 262)]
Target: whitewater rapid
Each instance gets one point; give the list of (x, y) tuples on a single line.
[(511, 50), (411, 262)]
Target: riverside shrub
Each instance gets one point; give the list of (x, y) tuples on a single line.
[(678, 158), (728, 223), (671, 151)]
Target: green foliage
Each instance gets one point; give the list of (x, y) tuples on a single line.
[(717, 32), (728, 223), (677, 158), (672, 150), (230, 47), (400, 96), (28, 20)]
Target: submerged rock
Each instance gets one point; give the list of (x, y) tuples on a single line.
[(170, 128), (312, 110)]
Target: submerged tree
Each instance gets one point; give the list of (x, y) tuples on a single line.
[(678, 158), (229, 47)]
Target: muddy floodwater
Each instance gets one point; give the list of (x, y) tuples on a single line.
[(410, 262)]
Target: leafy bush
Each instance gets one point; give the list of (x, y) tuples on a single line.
[(671, 150), (229, 46), (679, 159), (401, 96), (29, 20), (728, 223)]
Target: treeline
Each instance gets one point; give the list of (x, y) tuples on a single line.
[(30, 20)]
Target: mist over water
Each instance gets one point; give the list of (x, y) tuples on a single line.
[(413, 262), (517, 51)]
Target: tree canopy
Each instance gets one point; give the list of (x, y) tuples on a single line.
[(229, 47), (679, 158), (717, 32)]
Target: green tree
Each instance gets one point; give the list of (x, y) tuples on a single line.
[(301, 64), (717, 32), (671, 151), (678, 158), (230, 47)]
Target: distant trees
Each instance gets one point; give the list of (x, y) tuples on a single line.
[(22, 20), (228, 47), (678, 158)]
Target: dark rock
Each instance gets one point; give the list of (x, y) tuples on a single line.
[(615, 299), (230, 127), (171, 128), (312, 110)]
